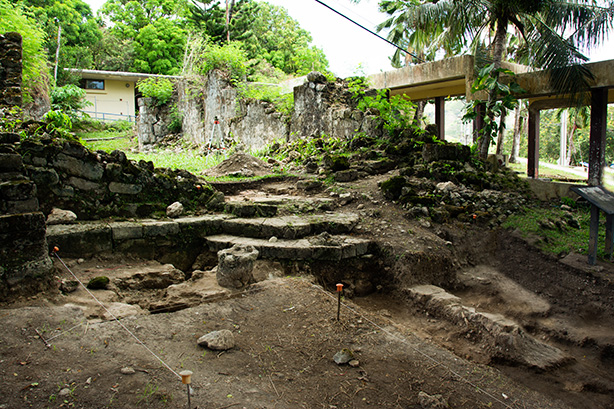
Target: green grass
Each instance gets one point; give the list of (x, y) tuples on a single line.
[(568, 177), (557, 241), (123, 139), (190, 160)]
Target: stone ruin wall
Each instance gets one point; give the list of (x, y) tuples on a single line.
[(10, 70), (321, 107), (25, 265)]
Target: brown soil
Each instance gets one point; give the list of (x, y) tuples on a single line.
[(240, 164), (286, 333)]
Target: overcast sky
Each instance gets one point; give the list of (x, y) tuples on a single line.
[(350, 49)]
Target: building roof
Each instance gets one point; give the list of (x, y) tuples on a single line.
[(115, 75)]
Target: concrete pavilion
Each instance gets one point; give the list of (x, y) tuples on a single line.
[(453, 77)]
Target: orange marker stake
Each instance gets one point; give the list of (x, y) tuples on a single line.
[(56, 249), (339, 291), (186, 379)]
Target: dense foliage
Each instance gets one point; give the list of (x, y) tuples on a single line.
[(151, 36)]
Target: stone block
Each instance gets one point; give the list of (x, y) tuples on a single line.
[(17, 190), (22, 206), (83, 184), (44, 177), (79, 168), (10, 162), (126, 230), (125, 188), (9, 137), (80, 240), (434, 152), (235, 266), (154, 228)]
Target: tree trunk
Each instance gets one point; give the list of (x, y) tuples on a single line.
[(517, 129), (229, 6), (419, 114), (499, 48), (501, 134)]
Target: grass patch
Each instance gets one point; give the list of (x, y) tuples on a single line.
[(190, 160), (559, 238)]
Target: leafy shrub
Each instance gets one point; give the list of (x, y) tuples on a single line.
[(160, 89), (283, 103), (58, 124), (176, 124), (229, 58), (69, 99), (397, 111)]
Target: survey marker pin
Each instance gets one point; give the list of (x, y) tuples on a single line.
[(339, 291), (186, 379)]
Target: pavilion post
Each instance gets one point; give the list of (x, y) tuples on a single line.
[(533, 148), (596, 151), (440, 117)]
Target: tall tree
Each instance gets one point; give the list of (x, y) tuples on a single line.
[(267, 33), (543, 26), (80, 30)]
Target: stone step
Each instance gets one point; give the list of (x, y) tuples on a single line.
[(323, 247), (267, 206), (90, 238), (291, 227), (506, 339)]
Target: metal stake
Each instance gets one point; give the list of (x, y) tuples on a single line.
[(186, 379), (339, 291)]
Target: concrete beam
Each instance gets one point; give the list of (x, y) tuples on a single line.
[(537, 84)]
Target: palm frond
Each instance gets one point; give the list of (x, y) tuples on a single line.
[(590, 21), (550, 51)]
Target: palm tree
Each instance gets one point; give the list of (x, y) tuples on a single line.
[(552, 33)]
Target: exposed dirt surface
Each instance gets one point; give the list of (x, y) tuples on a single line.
[(240, 164), (286, 331)]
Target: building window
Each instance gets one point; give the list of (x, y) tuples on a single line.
[(94, 84)]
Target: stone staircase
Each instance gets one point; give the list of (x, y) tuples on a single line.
[(323, 236)]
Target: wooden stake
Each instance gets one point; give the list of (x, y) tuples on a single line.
[(339, 291)]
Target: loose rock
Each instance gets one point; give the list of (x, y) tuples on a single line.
[(343, 357), (68, 286), (174, 210), (59, 216), (432, 402), (98, 283), (127, 371), (217, 340)]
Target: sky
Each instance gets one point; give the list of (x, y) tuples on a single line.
[(350, 49)]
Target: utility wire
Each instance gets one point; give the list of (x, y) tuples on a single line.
[(370, 31)]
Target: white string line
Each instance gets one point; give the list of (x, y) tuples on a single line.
[(116, 319), (64, 332), (424, 354)]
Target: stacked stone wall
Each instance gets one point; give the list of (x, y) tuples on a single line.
[(10, 70), (97, 185)]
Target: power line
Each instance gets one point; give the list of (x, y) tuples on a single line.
[(370, 31)]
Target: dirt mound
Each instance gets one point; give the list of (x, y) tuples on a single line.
[(240, 165)]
